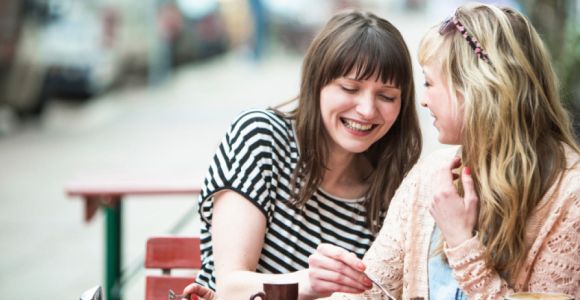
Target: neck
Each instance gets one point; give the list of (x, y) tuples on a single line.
[(345, 175), (340, 168)]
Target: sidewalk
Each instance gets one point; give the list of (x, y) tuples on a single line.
[(47, 250)]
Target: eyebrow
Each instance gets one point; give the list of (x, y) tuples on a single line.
[(383, 86)]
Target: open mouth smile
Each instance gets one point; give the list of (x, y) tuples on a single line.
[(356, 126)]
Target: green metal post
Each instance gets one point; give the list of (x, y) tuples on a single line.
[(113, 250)]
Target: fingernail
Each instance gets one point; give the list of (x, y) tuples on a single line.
[(367, 281), (361, 266), (467, 171)]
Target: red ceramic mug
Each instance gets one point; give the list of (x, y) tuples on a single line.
[(278, 291)]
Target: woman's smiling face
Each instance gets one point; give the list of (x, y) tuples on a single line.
[(357, 113)]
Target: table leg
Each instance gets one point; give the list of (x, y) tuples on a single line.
[(113, 249)]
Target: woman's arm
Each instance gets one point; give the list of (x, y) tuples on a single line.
[(555, 268), (555, 263), (473, 276), (456, 218), (238, 230)]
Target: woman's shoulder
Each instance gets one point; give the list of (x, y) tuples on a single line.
[(572, 159), (420, 178), (434, 161), (262, 118), (447, 152), (260, 115)]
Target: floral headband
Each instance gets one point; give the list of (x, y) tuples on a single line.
[(453, 23)]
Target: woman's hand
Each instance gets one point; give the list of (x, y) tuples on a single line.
[(333, 269), (455, 216), (200, 291)]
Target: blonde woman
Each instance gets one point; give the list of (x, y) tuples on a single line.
[(512, 220)]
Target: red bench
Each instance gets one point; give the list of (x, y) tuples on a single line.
[(169, 253)]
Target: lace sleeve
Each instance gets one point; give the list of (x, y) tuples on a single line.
[(556, 267), (473, 276)]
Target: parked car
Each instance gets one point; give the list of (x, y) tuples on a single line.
[(203, 32), (64, 48), (21, 72), (78, 49)]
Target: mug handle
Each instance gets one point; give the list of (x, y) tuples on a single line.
[(262, 296)]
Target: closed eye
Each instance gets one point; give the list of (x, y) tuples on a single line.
[(349, 89), (387, 98)]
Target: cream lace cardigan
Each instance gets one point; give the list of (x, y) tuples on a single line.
[(399, 255)]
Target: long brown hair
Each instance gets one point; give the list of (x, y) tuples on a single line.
[(515, 127), (372, 46)]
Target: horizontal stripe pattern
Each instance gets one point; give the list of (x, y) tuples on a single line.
[(256, 159)]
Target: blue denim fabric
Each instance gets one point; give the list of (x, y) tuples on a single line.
[(442, 285)]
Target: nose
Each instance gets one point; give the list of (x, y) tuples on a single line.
[(366, 106), (424, 102)]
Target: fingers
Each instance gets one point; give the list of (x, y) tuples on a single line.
[(446, 175), (338, 254), (471, 200), (328, 282), (444, 189), (455, 162), (200, 291), (333, 267)]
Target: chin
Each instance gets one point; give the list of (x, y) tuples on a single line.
[(356, 149)]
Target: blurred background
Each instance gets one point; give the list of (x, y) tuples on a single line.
[(105, 88)]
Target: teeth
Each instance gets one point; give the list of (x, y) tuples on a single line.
[(357, 126)]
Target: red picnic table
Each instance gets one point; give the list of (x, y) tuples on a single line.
[(107, 193)]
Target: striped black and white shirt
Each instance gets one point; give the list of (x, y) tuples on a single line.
[(256, 159)]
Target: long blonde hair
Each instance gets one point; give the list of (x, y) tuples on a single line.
[(515, 127)]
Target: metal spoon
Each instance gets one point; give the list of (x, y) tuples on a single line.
[(380, 286), (173, 296)]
